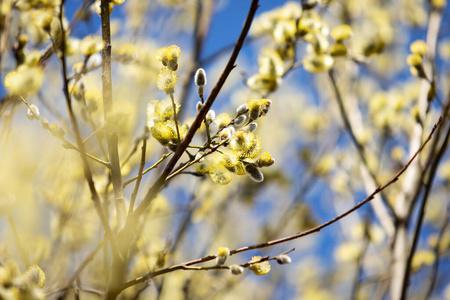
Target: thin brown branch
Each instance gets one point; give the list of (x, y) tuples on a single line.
[(290, 237), (86, 167), (139, 176), (149, 168), (111, 135)]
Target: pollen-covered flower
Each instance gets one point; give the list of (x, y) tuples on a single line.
[(222, 255), (169, 56), (265, 160), (166, 80), (35, 276), (259, 268), (91, 44), (222, 120), (25, 81), (219, 174)]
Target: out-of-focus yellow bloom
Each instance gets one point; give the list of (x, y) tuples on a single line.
[(259, 268), (418, 47), (341, 32), (166, 80), (91, 44), (318, 63), (25, 81), (414, 60)]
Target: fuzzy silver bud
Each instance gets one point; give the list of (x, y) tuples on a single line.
[(210, 116), (254, 173), (199, 106), (242, 109), (283, 259), (251, 127), (236, 270), (239, 121), (200, 77)]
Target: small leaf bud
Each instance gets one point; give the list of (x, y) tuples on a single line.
[(251, 127), (225, 134), (254, 173), (199, 106), (201, 91), (210, 116), (242, 109), (239, 121), (200, 77), (283, 259), (30, 115), (236, 270), (222, 255), (45, 124), (199, 156)]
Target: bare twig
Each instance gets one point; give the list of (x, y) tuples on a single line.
[(111, 134), (149, 169), (139, 176)]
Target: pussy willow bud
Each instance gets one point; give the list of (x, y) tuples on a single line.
[(200, 77), (45, 124), (222, 255), (242, 109), (236, 270), (254, 173), (30, 114), (239, 121), (199, 106), (210, 116), (201, 91), (225, 134), (283, 259), (199, 156), (251, 127), (232, 129)]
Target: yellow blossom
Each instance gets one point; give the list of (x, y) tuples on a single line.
[(259, 268), (166, 80), (91, 44)]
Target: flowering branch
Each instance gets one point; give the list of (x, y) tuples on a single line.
[(183, 266)]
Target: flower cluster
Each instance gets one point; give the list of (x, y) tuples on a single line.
[(242, 145), (163, 129)]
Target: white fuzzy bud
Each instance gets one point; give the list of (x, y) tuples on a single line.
[(199, 106), (200, 77), (283, 259), (199, 156), (236, 270), (242, 109), (239, 121), (251, 127), (254, 173), (210, 116), (30, 114)]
